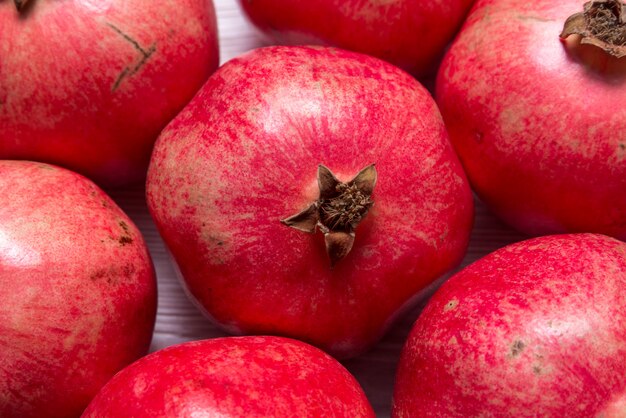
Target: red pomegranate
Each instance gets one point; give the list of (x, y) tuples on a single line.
[(533, 329), (348, 151), (536, 117), (89, 84), (233, 377), (410, 34), (77, 288)]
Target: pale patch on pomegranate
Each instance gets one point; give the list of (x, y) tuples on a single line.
[(620, 151), (383, 2), (615, 408), (451, 305), (512, 123), (140, 385), (474, 91), (370, 11), (87, 333), (371, 257), (98, 6)]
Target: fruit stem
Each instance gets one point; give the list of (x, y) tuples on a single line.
[(602, 23)]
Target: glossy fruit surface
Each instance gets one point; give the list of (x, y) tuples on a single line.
[(233, 377), (408, 33), (89, 84), (244, 155), (533, 118), (533, 329), (77, 291)]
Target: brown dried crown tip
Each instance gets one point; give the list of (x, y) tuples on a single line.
[(602, 23), (338, 210), (19, 4)]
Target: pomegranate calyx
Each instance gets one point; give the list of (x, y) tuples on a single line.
[(338, 210), (602, 23), (305, 221), (20, 4)]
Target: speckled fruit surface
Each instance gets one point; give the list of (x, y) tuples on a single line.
[(533, 329), (89, 84), (408, 33), (77, 291), (243, 156), (233, 377), (538, 122)]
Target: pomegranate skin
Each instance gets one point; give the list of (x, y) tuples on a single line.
[(536, 124), (410, 34), (77, 287), (244, 154), (89, 84), (533, 329), (233, 377)]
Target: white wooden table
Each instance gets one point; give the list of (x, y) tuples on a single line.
[(178, 320)]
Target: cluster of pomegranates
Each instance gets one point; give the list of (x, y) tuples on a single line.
[(307, 193)]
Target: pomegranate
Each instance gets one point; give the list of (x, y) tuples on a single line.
[(533, 329), (233, 377), (408, 33), (351, 154), (89, 84), (77, 287), (531, 99)]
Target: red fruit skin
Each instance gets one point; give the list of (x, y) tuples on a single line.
[(536, 126), (89, 84), (244, 154), (410, 34), (233, 377), (533, 329), (77, 287)]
